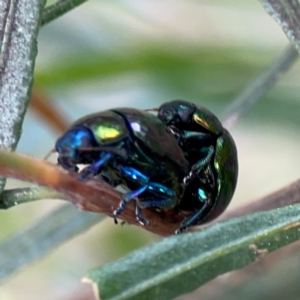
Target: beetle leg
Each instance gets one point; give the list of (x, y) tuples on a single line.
[(138, 212), (198, 166), (126, 198), (176, 132), (155, 109), (166, 197), (134, 175), (139, 178), (198, 215), (195, 135), (94, 168)]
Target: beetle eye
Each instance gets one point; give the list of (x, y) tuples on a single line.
[(166, 115)]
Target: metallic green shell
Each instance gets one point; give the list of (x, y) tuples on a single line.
[(226, 166), (207, 119)]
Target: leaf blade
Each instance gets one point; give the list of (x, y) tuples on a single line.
[(19, 22), (287, 14), (38, 238), (180, 264)]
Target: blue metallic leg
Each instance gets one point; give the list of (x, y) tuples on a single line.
[(161, 203), (138, 212), (194, 218), (126, 198), (134, 175), (95, 167), (138, 177), (166, 197)]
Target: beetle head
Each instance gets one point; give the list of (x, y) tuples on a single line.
[(67, 146), (176, 112)]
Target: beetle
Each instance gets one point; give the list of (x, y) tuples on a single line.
[(130, 147), (212, 154)]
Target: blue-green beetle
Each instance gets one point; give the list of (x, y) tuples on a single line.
[(128, 147), (212, 154), (182, 162)]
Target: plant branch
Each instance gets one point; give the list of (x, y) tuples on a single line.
[(13, 197), (45, 108), (250, 95), (19, 24), (287, 14), (285, 196), (97, 196), (58, 9), (91, 195)]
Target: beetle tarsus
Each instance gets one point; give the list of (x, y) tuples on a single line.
[(180, 230), (119, 210), (143, 221)]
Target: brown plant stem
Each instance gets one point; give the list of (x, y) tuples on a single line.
[(91, 195), (288, 195), (97, 196), (49, 113)]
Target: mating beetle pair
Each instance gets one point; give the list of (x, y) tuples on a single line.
[(181, 162)]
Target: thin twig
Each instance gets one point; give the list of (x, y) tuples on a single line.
[(288, 195), (249, 96), (13, 197), (58, 9), (48, 111)]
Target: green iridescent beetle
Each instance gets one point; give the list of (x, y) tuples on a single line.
[(212, 154), (182, 162)]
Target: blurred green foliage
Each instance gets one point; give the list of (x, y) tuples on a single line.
[(127, 53)]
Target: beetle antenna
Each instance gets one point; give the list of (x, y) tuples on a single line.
[(49, 153), (151, 109)]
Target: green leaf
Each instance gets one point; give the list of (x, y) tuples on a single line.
[(181, 264), (19, 23), (287, 14), (158, 63), (35, 240)]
